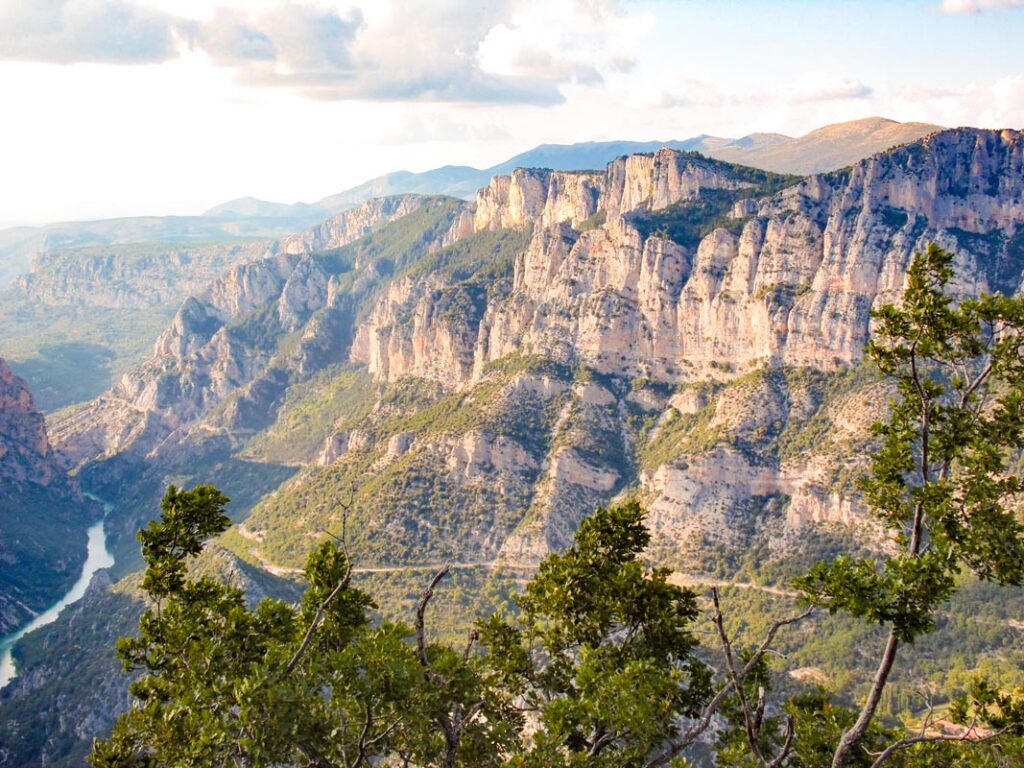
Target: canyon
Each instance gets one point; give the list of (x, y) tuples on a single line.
[(439, 379)]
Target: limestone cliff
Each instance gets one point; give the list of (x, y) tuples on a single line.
[(349, 225), (25, 453), (531, 197), (789, 278), (645, 329), (43, 516), (230, 350)]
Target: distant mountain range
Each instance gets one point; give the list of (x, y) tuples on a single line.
[(19, 245), (824, 149), (249, 218)]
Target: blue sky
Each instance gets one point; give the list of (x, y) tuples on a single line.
[(116, 107)]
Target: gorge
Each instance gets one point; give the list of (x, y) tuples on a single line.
[(464, 382)]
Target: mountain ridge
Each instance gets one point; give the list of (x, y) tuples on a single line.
[(669, 268), (759, 150)]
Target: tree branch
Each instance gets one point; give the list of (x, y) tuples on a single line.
[(753, 736), (752, 720), (319, 617), (969, 735), (673, 748), (474, 635), (421, 610), (853, 735), (367, 724)]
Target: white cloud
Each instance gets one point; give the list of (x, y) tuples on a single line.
[(977, 6), (517, 51), (801, 89), (70, 31), (812, 87), (996, 105), (537, 42)]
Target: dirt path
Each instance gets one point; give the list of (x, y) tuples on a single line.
[(434, 567), (699, 580), (691, 580)]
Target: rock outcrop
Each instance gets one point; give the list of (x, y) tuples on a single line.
[(25, 453), (785, 279), (350, 225), (43, 515), (222, 358)]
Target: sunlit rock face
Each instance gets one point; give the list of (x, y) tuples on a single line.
[(667, 270)]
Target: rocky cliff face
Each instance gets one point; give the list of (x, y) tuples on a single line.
[(785, 279), (350, 225), (25, 453), (43, 516), (670, 299), (532, 198), (230, 351)]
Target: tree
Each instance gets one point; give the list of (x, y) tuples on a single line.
[(817, 721), (940, 481), (225, 685), (312, 684), (601, 653)]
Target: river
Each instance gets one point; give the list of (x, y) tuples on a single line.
[(97, 557)]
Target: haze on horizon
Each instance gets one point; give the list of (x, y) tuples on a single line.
[(126, 107)]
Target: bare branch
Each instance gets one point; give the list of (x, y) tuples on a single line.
[(319, 617), (367, 724), (451, 723), (474, 635), (753, 736), (346, 507), (475, 710), (601, 742), (970, 735), (787, 743), (336, 538), (674, 748), (384, 733), (421, 610), (752, 720), (867, 712), (313, 755)]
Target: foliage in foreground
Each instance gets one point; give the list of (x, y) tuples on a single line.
[(598, 667), (941, 482)]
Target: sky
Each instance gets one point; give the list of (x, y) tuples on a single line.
[(128, 107)]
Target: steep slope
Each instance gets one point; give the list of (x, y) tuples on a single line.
[(43, 515), (83, 316)]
